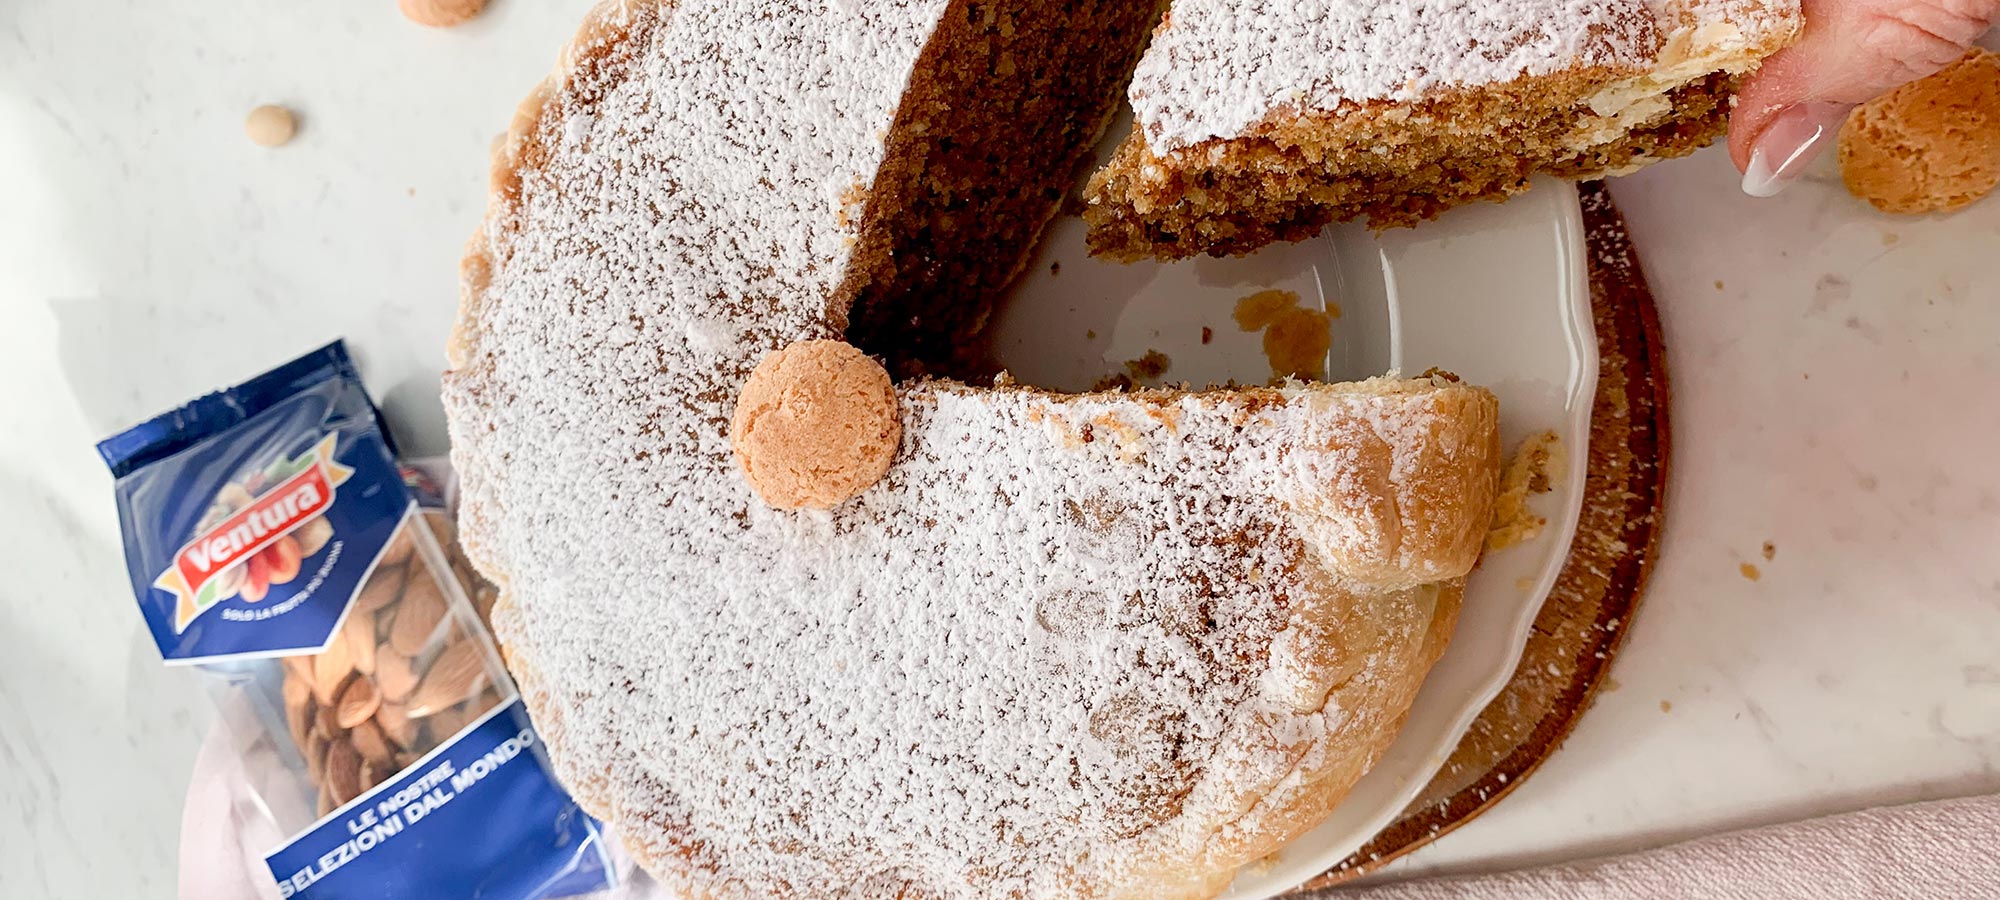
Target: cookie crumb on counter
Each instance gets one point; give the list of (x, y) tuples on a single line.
[(1750, 571), (1770, 551)]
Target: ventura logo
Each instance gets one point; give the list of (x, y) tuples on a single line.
[(196, 577)]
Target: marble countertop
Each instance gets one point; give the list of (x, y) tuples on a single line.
[(1834, 374)]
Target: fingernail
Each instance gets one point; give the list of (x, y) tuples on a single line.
[(1789, 144)]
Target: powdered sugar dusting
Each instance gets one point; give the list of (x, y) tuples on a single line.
[(1218, 67), (1061, 650)]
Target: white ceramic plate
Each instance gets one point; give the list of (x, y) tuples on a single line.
[(1497, 293)]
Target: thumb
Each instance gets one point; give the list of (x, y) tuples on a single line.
[(1852, 51)]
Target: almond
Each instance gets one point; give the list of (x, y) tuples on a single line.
[(359, 635), (374, 746), (382, 589), (358, 703), (331, 669), (298, 709), (449, 721), (270, 126), (313, 535), (395, 675), (343, 771), (441, 527), (457, 674), (315, 750), (398, 551), (486, 700), (483, 600), (395, 724), (233, 497), (299, 667), (230, 582), (417, 617)]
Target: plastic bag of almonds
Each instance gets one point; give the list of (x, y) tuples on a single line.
[(272, 540)]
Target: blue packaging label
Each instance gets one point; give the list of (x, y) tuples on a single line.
[(253, 517), (476, 818)]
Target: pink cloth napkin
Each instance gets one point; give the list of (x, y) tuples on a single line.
[(1944, 850)]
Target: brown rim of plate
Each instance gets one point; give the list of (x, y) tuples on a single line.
[(1581, 626)]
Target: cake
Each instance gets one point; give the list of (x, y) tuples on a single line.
[(1258, 122), (1114, 644)]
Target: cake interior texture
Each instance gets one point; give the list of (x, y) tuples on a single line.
[(1007, 101), (1291, 181), (1585, 93)]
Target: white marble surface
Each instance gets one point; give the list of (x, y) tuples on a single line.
[(1835, 375)]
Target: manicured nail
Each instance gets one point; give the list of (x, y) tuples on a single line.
[(1789, 144)]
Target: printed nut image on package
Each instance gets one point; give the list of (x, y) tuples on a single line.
[(273, 540)]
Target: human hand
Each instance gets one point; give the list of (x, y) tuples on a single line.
[(1852, 51)]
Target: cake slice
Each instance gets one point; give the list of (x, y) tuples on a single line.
[(1260, 122)]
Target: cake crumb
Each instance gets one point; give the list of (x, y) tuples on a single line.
[(1750, 571), (1890, 238), (1610, 685), (1055, 268), (1090, 334), (1666, 706), (1152, 365), (1718, 284), (1770, 551), (1207, 334), (1296, 339), (1529, 472)]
